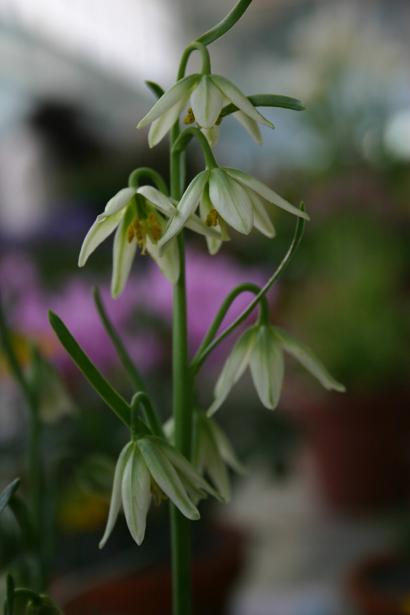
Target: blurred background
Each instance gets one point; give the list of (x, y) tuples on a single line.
[(321, 522)]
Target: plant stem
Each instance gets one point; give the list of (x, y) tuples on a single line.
[(182, 412), (226, 24), (297, 236)]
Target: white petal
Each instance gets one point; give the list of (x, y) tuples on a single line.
[(267, 367), (249, 124), (119, 201), (234, 367), (123, 254), (207, 102), (167, 260), (136, 494), (165, 121), (100, 230), (239, 100), (179, 91), (225, 448), (185, 208), (164, 473), (231, 201), (261, 219), (163, 203), (214, 464), (194, 223), (186, 470), (205, 206), (115, 503), (306, 358), (265, 192)]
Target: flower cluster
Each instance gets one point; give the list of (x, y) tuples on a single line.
[(147, 219)]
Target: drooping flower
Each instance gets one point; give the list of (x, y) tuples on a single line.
[(149, 466), (261, 347), (214, 455), (139, 217), (207, 93), (228, 197)]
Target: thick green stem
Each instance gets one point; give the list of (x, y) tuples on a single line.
[(182, 412)]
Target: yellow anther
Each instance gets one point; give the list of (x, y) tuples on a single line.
[(154, 227), (212, 218), (130, 233), (157, 494), (190, 117)]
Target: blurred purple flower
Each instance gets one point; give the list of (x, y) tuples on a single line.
[(209, 280)]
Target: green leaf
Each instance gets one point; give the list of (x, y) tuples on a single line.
[(8, 493), (267, 100), (104, 389), (155, 88)]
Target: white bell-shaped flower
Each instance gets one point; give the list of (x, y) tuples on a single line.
[(150, 465), (261, 348), (229, 197), (139, 217), (207, 95)]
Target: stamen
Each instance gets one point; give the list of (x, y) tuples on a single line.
[(130, 233), (154, 227), (190, 117), (212, 218), (157, 494)]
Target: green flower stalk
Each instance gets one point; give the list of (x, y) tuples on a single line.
[(261, 348)]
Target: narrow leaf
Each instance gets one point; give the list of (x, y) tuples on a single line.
[(104, 389)]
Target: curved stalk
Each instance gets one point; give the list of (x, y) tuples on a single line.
[(206, 60), (223, 310), (150, 416), (151, 174), (297, 236), (225, 24)]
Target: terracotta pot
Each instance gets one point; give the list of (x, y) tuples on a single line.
[(360, 450), (380, 585), (148, 592)]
